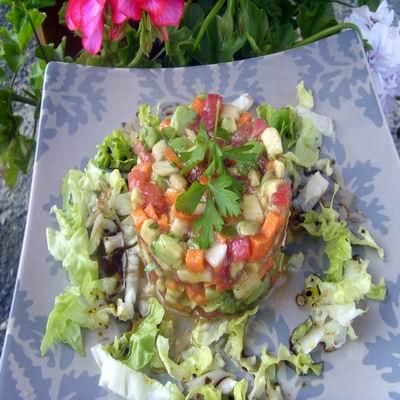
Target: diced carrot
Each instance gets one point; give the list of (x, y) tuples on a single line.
[(203, 180), (163, 222), (177, 214), (171, 284), (268, 265), (170, 155), (170, 196), (195, 261), (273, 222), (196, 293), (149, 210), (164, 123), (197, 105), (244, 118), (138, 217), (259, 246)]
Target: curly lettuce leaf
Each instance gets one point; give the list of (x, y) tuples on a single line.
[(136, 348), (71, 313), (128, 383), (116, 151), (304, 96), (236, 329), (194, 362)]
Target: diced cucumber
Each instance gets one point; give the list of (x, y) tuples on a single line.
[(236, 267), (194, 277), (136, 198), (272, 142), (230, 111), (178, 182), (246, 284), (161, 182), (279, 168), (229, 124), (158, 150), (252, 209), (149, 231), (248, 228), (259, 291), (254, 177), (164, 168)]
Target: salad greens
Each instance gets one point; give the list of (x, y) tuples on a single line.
[(95, 219)]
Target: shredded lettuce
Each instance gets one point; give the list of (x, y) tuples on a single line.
[(304, 96), (136, 348), (205, 333), (128, 383), (194, 362), (236, 329), (71, 313), (146, 118), (116, 151), (208, 392), (240, 390)]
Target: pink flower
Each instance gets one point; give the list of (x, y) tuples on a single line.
[(87, 16)]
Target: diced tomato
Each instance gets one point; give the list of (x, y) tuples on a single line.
[(242, 135), (141, 152), (222, 276), (139, 175), (209, 111), (153, 195), (259, 127), (282, 197), (239, 249)]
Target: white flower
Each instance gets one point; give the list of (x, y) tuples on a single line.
[(384, 58)]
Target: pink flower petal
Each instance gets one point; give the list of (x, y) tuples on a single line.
[(171, 14), (156, 7), (73, 14), (117, 16), (130, 8), (92, 43), (92, 14)]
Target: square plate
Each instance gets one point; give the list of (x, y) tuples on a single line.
[(83, 104)]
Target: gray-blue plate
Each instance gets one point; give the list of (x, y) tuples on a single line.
[(81, 105)]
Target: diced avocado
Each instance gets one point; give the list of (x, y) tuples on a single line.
[(236, 267), (248, 228), (259, 291), (252, 209), (227, 303), (169, 132), (229, 124), (161, 182), (247, 284), (183, 116), (168, 251), (149, 137), (149, 231)]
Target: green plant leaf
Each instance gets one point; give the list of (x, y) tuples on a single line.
[(54, 53), (372, 4), (10, 50), (29, 4), (3, 75), (314, 17), (36, 78)]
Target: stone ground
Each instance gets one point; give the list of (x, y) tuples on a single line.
[(14, 203)]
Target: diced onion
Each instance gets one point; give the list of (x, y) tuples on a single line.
[(216, 254)]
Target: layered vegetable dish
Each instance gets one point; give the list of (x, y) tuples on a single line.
[(210, 204)]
